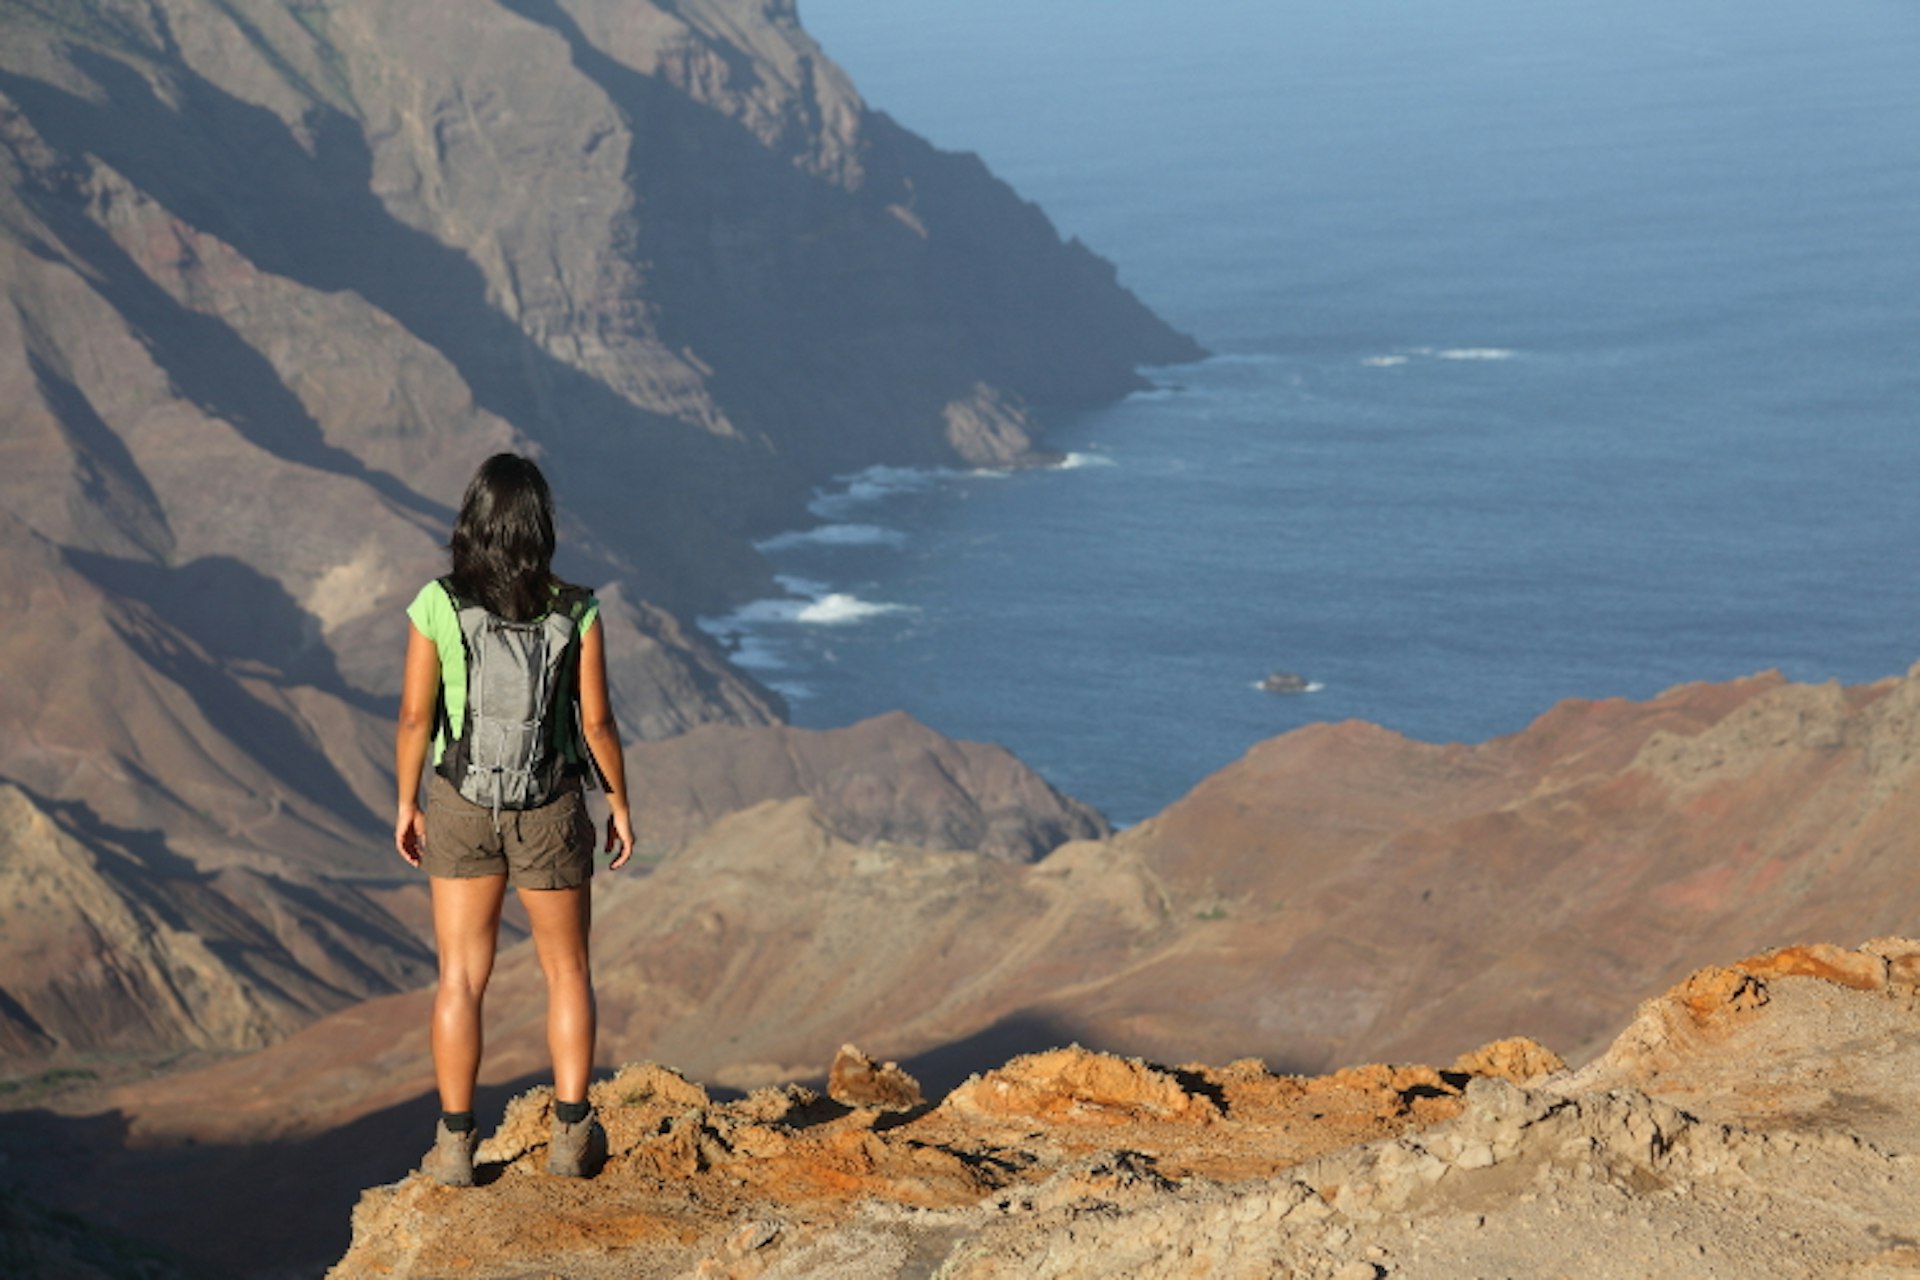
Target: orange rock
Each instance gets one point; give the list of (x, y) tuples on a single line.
[(855, 1080), (1711, 991), (1076, 1086), (1860, 970), (1516, 1058)]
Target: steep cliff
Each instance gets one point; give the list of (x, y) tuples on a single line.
[(275, 274)]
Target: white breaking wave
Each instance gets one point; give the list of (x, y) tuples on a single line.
[(792, 690), (1242, 357), (837, 608), (795, 585), (1076, 461), (834, 535), (743, 647), (1398, 358), (808, 603), (876, 484), (753, 653)]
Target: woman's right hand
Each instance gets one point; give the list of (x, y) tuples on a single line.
[(619, 838)]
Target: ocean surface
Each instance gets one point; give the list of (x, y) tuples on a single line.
[(1560, 351)]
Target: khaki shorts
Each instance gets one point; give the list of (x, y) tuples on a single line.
[(546, 848)]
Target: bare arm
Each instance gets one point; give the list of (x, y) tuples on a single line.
[(418, 689), (603, 739)]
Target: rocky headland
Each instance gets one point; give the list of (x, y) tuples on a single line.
[(275, 276)]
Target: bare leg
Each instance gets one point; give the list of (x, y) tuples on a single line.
[(562, 919), (466, 929)]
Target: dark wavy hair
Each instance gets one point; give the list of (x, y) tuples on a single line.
[(502, 541)]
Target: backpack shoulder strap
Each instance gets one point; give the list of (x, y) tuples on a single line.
[(572, 601)]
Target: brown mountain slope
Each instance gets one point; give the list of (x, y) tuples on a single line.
[(1341, 893), (888, 780), (1364, 896), (115, 946)]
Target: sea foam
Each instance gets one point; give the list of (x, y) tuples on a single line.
[(834, 535), (838, 608), (876, 484), (1474, 353), (808, 603)]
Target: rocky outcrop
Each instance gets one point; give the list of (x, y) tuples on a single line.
[(857, 1081), (1137, 1170)]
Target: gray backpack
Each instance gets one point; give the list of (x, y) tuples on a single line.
[(519, 738)]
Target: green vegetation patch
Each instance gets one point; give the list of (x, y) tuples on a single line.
[(50, 1081)]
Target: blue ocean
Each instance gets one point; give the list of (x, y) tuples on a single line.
[(1559, 351)]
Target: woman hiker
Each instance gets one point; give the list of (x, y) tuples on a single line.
[(498, 654)]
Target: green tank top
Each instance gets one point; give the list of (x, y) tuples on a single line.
[(433, 613)]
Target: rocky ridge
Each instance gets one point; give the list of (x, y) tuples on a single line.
[(1756, 1120), (1323, 900)]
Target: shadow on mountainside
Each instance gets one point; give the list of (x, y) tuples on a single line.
[(270, 738), (211, 365), (303, 945), (928, 264), (237, 614), (110, 478), (256, 1210), (235, 171)]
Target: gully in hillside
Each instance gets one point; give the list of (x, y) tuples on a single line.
[(506, 684)]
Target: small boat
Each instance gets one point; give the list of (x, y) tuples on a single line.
[(1286, 682)]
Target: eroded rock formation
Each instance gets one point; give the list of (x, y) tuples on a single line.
[(1762, 1124)]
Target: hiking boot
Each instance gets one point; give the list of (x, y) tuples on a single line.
[(450, 1163), (576, 1150)]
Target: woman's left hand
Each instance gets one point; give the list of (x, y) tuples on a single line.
[(410, 834)]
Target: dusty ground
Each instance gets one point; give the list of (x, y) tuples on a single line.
[(1761, 1119)]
